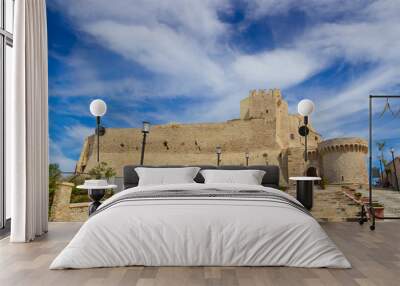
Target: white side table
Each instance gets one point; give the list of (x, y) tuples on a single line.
[(96, 190), (304, 190)]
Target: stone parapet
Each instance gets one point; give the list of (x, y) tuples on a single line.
[(350, 144), (78, 211)]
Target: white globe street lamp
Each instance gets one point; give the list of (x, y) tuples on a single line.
[(305, 107), (98, 108)]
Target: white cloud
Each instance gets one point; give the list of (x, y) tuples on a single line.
[(77, 132), (198, 18), (279, 68), (160, 49), (316, 8), (185, 43), (57, 156)]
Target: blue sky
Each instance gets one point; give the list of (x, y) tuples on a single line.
[(192, 61)]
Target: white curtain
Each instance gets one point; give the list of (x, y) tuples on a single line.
[(27, 124)]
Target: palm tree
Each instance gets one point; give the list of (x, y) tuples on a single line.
[(381, 147)]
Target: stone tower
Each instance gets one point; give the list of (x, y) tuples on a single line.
[(269, 106), (344, 160)]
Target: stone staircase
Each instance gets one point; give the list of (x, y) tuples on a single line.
[(332, 205)]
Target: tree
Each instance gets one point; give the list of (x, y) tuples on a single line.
[(54, 176)]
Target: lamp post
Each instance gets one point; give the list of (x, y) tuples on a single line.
[(218, 151), (394, 168), (305, 108), (98, 108), (145, 131), (247, 155)]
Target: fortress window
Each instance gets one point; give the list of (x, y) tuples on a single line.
[(292, 136), (316, 138), (266, 110), (122, 145)]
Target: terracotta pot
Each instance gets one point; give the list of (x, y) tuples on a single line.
[(379, 211)]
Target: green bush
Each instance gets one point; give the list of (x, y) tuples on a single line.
[(283, 188), (102, 171), (323, 183), (81, 196), (377, 205)]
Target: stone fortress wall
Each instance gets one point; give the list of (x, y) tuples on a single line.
[(265, 129)]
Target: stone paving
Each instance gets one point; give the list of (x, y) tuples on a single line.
[(389, 198)]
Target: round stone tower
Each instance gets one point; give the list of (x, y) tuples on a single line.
[(344, 160)]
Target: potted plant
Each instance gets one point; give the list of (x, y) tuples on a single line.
[(379, 210), (102, 171)]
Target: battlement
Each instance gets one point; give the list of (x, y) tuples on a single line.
[(349, 144), (261, 103)]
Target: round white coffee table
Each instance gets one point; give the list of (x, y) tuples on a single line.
[(304, 190)]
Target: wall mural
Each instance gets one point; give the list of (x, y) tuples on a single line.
[(220, 88)]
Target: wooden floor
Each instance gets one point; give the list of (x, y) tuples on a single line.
[(375, 257)]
